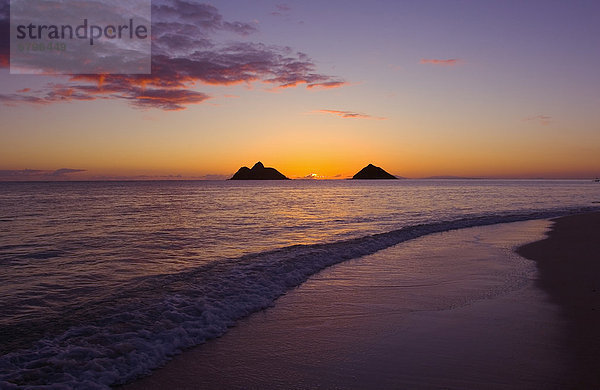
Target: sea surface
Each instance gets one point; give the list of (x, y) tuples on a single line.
[(100, 282)]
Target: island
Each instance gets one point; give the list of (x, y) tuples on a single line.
[(371, 172), (258, 172)]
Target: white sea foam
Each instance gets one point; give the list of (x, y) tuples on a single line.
[(140, 335)]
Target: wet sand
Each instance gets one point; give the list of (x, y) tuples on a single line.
[(455, 310), (569, 271)]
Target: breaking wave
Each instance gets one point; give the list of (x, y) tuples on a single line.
[(156, 317)]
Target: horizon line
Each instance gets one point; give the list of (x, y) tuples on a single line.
[(590, 178)]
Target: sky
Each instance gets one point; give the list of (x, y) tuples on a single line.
[(500, 89)]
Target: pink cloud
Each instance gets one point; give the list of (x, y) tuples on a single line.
[(541, 119), (449, 62), (327, 85), (348, 114), (281, 10)]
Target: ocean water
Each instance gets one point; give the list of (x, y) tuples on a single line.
[(100, 282)]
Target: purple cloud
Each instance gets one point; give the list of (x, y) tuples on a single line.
[(66, 171), (185, 54), (37, 174), (204, 18), (168, 99)]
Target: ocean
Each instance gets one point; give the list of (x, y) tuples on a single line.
[(100, 282)]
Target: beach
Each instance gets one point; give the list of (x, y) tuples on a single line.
[(569, 271), (456, 310)]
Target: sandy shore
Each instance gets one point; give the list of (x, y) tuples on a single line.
[(569, 271), (456, 310)]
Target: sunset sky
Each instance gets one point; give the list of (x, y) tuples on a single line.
[(420, 88)]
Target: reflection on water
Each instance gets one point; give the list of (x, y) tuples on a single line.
[(102, 267), (64, 241)]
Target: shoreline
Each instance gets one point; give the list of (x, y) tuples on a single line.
[(160, 346), (568, 262), (389, 321)]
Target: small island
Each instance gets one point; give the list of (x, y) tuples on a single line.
[(371, 172), (258, 172)]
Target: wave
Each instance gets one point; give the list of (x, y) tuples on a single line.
[(139, 332)]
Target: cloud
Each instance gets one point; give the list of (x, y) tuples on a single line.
[(185, 54), (281, 10), (213, 177), (65, 174), (22, 172), (541, 119), (168, 99), (37, 174), (66, 171), (200, 18), (449, 62), (311, 176), (159, 177), (348, 114), (327, 85), (14, 99)]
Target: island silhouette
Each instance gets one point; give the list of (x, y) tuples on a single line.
[(258, 172), (371, 172)]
